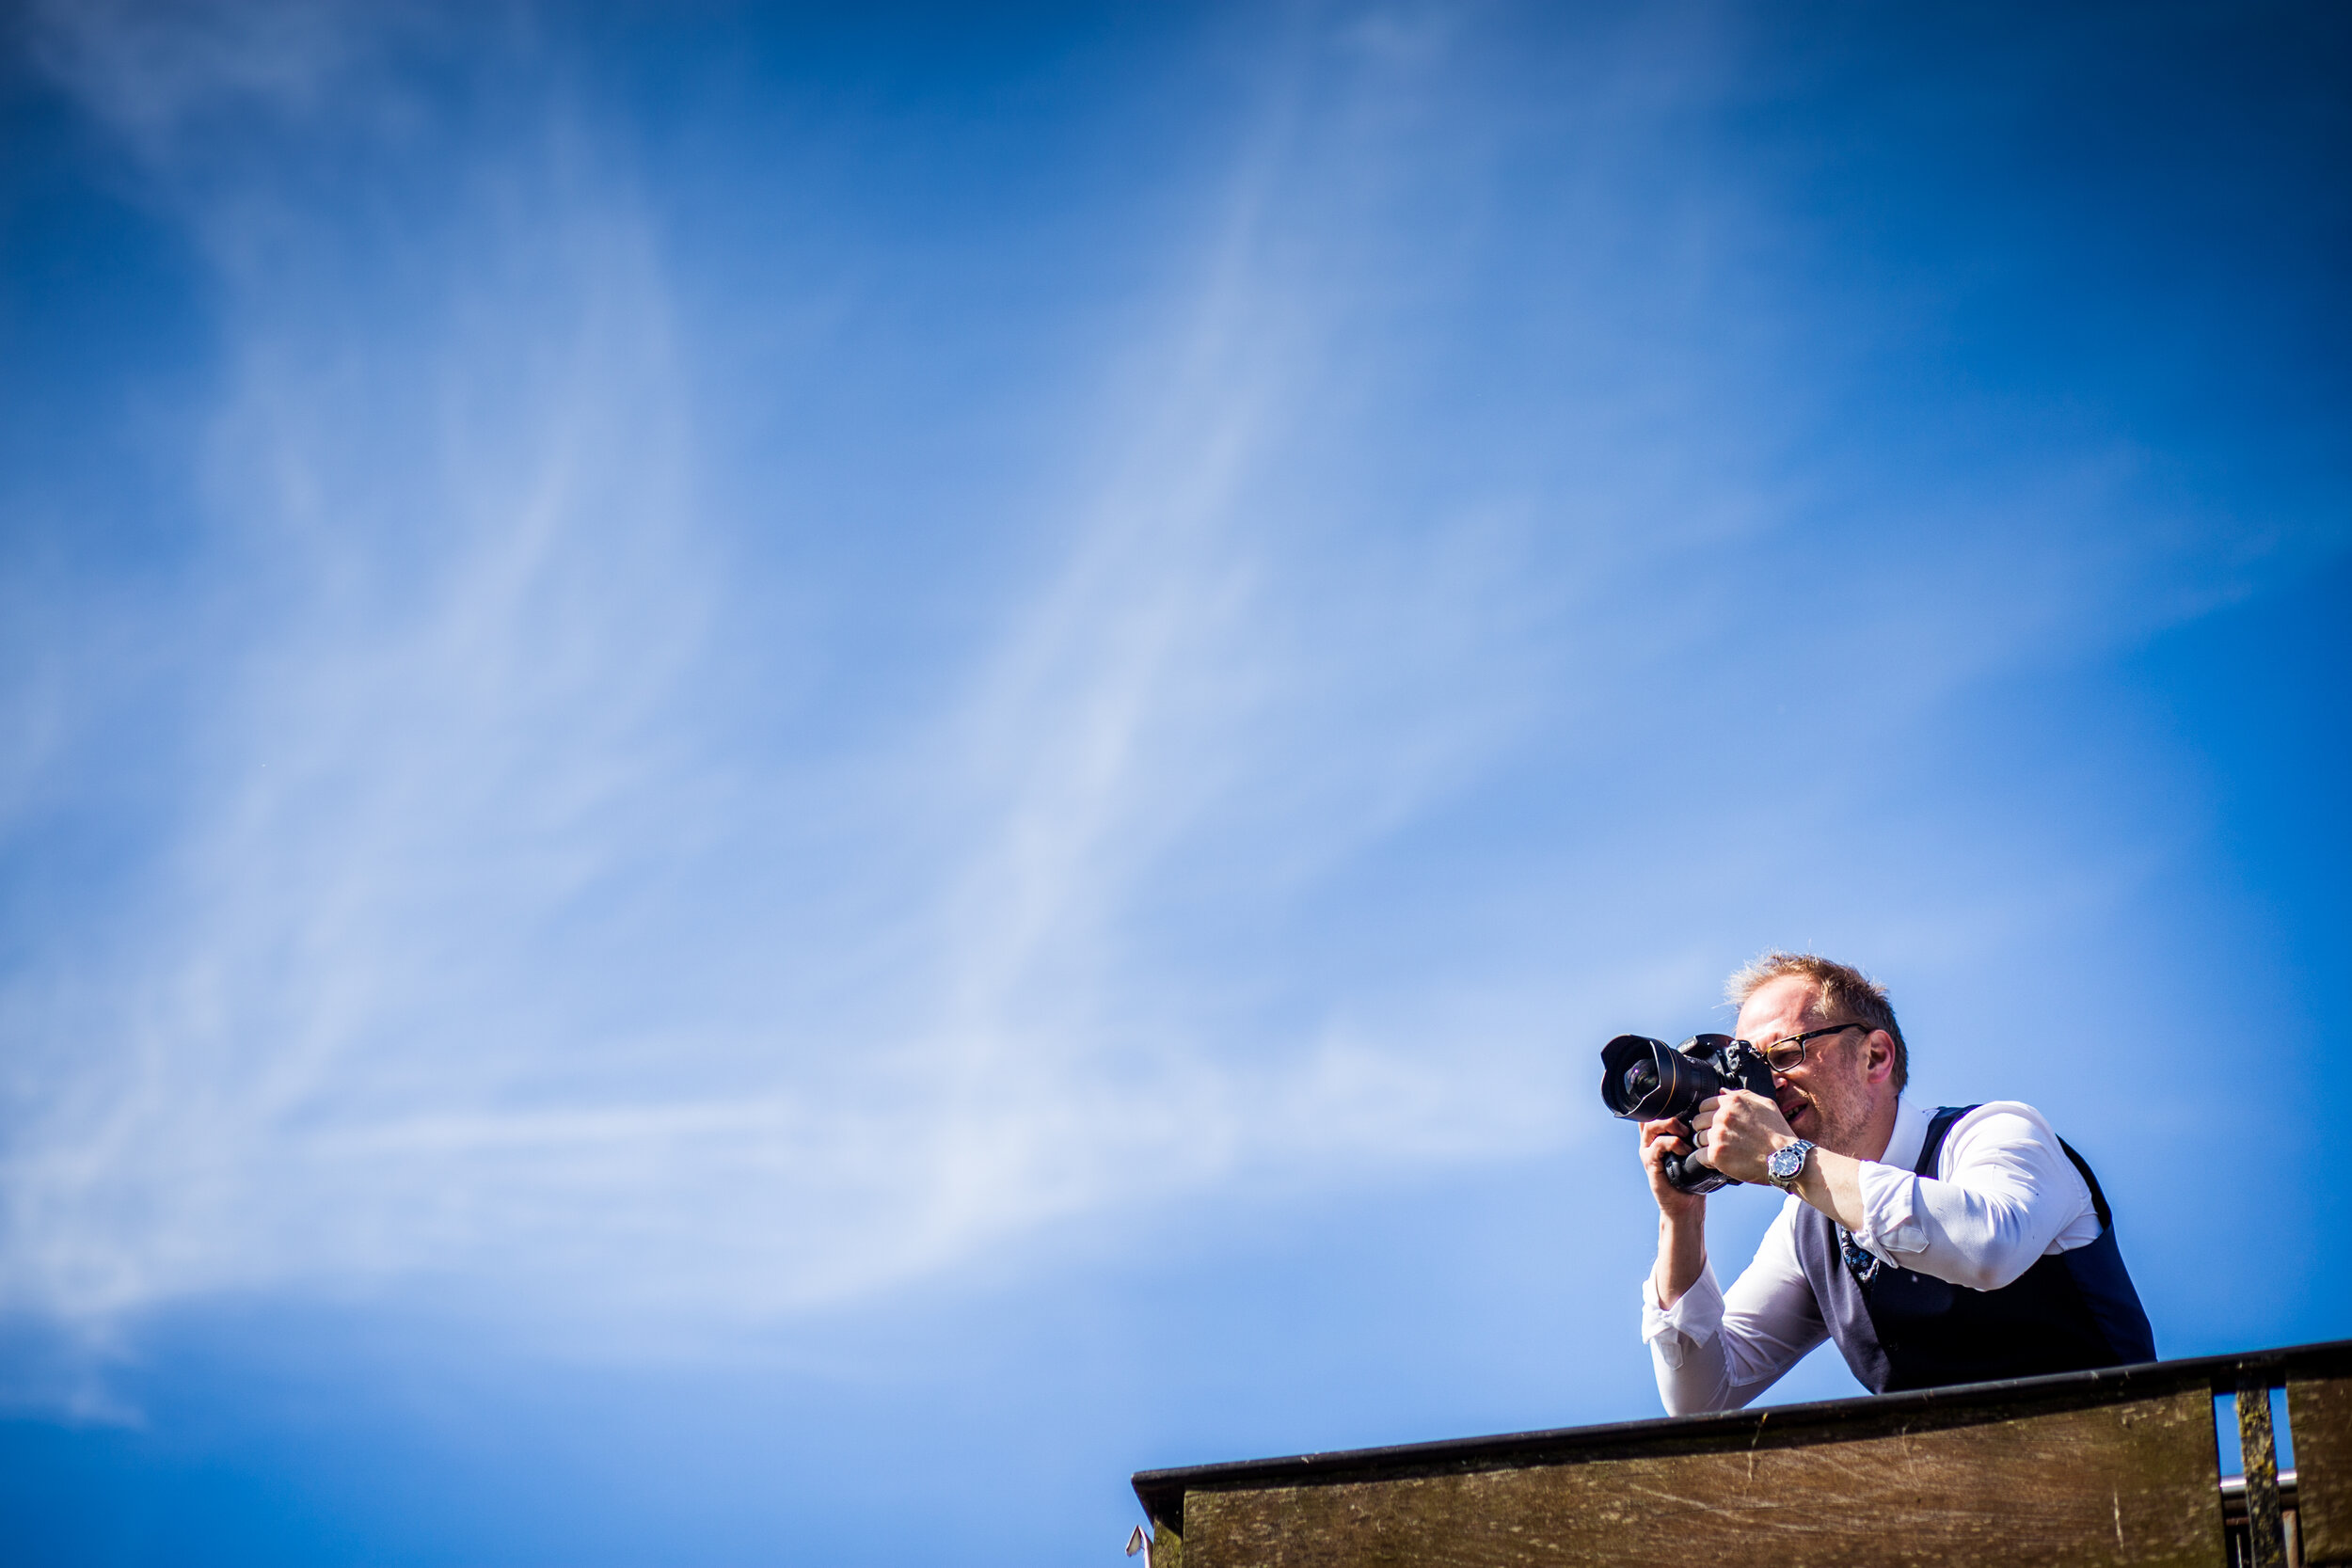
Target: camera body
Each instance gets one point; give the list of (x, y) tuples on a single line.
[(1647, 1080)]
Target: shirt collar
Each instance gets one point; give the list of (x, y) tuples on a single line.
[(1910, 1138)]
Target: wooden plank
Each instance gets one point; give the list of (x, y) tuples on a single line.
[(2319, 1415), (2133, 1482), (1162, 1492)]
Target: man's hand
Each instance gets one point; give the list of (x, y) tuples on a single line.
[(1659, 1139), (1737, 1131)]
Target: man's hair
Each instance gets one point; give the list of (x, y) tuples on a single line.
[(1841, 995)]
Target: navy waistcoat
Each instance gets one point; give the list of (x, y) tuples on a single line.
[(1909, 1330)]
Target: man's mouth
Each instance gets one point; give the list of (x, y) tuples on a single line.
[(1792, 1110)]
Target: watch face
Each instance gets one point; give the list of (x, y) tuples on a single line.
[(1786, 1162)]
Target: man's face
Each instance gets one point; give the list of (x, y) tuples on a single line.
[(1828, 1097)]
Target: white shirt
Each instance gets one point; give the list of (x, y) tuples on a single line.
[(2003, 1196)]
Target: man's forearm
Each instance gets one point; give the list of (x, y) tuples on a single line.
[(1682, 1256), (1833, 1184)]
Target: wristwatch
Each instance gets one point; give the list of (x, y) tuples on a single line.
[(1787, 1164)]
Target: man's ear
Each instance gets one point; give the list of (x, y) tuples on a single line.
[(1877, 1057)]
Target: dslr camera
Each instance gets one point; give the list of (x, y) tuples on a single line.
[(1647, 1080)]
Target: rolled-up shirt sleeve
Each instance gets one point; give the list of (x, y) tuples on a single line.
[(1717, 1350), (2006, 1195)]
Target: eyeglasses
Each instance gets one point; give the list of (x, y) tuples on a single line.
[(1787, 1055)]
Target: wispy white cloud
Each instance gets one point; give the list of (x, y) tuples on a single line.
[(150, 71), (508, 941), (456, 641)]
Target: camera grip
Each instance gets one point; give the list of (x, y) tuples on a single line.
[(1685, 1174)]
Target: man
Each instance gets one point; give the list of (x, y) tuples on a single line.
[(1952, 1246)]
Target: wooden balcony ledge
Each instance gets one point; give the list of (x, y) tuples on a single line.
[(2118, 1466)]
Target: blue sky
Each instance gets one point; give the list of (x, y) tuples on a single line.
[(784, 780)]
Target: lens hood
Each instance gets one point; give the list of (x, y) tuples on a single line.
[(1647, 1080)]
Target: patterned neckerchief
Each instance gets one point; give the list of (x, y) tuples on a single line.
[(1860, 1260)]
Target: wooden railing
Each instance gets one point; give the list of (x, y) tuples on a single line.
[(2118, 1465)]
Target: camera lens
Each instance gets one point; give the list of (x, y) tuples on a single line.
[(1644, 1078)]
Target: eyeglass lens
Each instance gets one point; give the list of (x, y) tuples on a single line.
[(1781, 1055)]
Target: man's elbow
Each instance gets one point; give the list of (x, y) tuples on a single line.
[(1990, 1273), (1998, 1255), (1687, 1400)]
